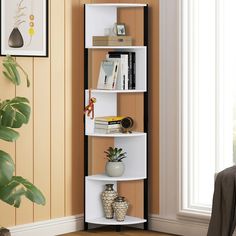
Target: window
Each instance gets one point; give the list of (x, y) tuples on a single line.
[(208, 102)]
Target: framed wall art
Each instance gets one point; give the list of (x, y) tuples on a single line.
[(24, 28)]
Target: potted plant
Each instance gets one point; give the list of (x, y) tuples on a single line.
[(114, 166), (13, 114)]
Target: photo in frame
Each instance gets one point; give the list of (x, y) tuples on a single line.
[(24, 28), (120, 30)]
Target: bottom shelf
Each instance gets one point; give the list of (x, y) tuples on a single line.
[(129, 220)]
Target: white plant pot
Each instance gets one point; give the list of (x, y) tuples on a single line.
[(115, 169)]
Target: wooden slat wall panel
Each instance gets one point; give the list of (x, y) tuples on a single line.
[(74, 90), (42, 134), (24, 145), (57, 108)]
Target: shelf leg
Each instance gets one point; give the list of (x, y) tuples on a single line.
[(85, 226), (118, 228)]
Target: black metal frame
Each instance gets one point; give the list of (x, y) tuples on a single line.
[(145, 121), (145, 118), (85, 136)]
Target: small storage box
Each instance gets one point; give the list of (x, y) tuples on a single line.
[(112, 41)]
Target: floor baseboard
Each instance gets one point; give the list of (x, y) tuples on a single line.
[(50, 227), (177, 227)]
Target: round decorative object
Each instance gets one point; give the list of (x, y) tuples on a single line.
[(120, 207), (115, 169), (127, 124), (31, 17), (108, 197)]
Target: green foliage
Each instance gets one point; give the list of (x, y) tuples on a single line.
[(115, 154), (11, 71), (17, 187), (13, 114)]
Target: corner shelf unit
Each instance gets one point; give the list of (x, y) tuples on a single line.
[(98, 17)]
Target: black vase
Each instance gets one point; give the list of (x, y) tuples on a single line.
[(15, 40)]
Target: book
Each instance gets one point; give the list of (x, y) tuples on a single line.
[(109, 118), (122, 78), (107, 126), (133, 83), (107, 131), (131, 66), (108, 122), (108, 74)]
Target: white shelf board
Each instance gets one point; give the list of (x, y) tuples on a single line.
[(129, 220), (118, 91), (117, 135), (104, 177), (118, 5), (116, 47)]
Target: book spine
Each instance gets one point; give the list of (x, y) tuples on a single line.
[(133, 70), (130, 71), (108, 122), (107, 131), (125, 71), (104, 126), (115, 75)]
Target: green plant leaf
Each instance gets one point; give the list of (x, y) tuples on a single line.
[(18, 187), (7, 168), (115, 154), (11, 71), (14, 113), (8, 134)]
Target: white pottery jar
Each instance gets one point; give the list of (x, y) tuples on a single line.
[(115, 169)]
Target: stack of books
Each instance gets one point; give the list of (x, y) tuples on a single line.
[(108, 124), (118, 71)]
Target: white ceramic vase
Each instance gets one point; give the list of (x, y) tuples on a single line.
[(115, 169)]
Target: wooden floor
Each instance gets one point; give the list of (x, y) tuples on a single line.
[(110, 232)]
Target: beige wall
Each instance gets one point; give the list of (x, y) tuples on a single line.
[(50, 149)]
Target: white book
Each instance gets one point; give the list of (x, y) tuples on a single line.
[(122, 78), (108, 74)]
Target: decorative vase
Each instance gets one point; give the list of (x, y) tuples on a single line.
[(120, 207), (15, 39), (108, 196), (115, 169)]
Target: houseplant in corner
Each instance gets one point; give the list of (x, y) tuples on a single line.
[(13, 114), (114, 166)]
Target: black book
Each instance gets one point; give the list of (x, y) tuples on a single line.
[(131, 65), (133, 70)]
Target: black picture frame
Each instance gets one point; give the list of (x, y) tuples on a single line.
[(120, 30), (24, 28)]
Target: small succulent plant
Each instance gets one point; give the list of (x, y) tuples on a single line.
[(115, 154)]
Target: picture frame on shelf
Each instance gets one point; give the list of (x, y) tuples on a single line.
[(108, 74), (24, 28), (120, 29)]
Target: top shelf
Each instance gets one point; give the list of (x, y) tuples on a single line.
[(118, 5), (116, 47)]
